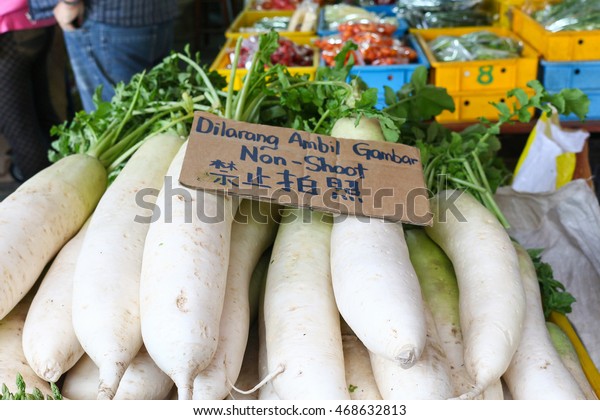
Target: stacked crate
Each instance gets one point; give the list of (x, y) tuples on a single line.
[(377, 77), (247, 18), (474, 84), (570, 59)]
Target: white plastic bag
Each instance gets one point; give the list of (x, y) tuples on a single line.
[(566, 223), (543, 165)]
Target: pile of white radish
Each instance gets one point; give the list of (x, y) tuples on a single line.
[(220, 298)]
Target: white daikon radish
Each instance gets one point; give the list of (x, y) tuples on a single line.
[(536, 371), (303, 337), (359, 373), (81, 381), (267, 390), (491, 298), (569, 357), (107, 277), (372, 274), (184, 274), (49, 341), (427, 379), (40, 217), (493, 392), (143, 380), (248, 376), (440, 291), (252, 233), (12, 359)]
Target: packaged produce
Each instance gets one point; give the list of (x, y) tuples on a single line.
[(570, 15), (373, 49), (480, 45), (275, 4), (277, 23), (289, 53), (377, 2), (340, 13), (355, 27), (305, 17), (425, 14)]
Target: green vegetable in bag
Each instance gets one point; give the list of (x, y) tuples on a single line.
[(480, 45)]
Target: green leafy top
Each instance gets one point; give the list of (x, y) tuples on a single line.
[(468, 160), (272, 95), (417, 101), (22, 394), (159, 100), (554, 295)]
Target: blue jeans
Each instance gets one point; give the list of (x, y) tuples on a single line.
[(102, 54)]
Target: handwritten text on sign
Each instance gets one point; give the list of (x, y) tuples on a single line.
[(297, 168)]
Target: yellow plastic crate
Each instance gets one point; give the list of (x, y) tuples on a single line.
[(557, 46), (470, 106), (475, 76), (247, 18), (222, 61), (503, 10)]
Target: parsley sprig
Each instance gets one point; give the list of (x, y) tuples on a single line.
[(554, 295)]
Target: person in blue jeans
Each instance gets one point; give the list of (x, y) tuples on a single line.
[(108, 41)]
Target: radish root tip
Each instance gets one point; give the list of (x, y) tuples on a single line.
[(280, 369)]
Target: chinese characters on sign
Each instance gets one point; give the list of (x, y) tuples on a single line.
[(297, 168)]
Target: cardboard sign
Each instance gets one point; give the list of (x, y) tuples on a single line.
[(297, 168)]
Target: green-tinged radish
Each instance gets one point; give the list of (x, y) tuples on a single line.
[(252, 233), (248, 376), (427, 379), (569, 357), (536, 371), (106, 283), (183, 282), (372, 273), (440, 290), (143, 380), (359, 373), (49, 341), (491, 299), (40, 217), (12, 359), (303, 337)]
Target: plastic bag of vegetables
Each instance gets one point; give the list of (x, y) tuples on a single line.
[(480, 45), (570, 15)]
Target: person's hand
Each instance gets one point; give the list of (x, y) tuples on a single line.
[(69, 14)]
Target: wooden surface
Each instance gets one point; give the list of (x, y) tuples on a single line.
[(583, 169)]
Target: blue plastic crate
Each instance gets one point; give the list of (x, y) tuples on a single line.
[(584, 75), (384, 9), (322, 29), (557, 75), (393, 76)]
